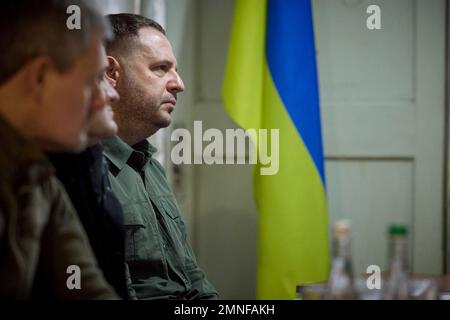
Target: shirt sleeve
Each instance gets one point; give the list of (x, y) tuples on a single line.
[(68, 254), (201, 287)]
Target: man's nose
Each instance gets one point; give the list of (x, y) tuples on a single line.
[(176, 84)]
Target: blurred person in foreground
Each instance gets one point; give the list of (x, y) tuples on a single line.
[(49, 87), (85, 177)]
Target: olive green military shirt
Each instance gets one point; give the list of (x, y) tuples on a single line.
[(161, 262)]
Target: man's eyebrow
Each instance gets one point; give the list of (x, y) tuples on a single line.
[(164, 61)]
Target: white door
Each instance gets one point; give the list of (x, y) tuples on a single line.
[(382, 98), (383, 111)]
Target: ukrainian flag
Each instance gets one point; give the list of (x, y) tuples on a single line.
[(271, 83)]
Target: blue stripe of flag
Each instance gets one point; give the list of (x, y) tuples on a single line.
[(291, 59)]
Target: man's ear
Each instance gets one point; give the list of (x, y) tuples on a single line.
[(113, 71), (36, 75)]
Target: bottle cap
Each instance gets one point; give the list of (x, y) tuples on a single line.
[(342, 227), (398, 229)]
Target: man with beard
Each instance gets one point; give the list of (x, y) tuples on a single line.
[(143, 70)]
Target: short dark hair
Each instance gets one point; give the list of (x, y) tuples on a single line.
[(30, 28), (126, 27)]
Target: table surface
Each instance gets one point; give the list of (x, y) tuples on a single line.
[(442, 280)]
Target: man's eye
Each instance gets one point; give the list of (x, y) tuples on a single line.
[(160, 68)]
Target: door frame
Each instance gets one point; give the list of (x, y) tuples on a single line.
[(446, 204)]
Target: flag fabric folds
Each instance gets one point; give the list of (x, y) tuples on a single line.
[(271, 83)]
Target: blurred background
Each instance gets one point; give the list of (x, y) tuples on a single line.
[(384, 115)]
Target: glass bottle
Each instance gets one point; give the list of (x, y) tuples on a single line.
[(396, 285), (341, 280)]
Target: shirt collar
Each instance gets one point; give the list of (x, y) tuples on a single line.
[(120, 153)]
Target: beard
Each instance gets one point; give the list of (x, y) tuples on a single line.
[(140, 110)]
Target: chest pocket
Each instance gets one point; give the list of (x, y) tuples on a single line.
[(174, 225), (168, 206), (141, 241)]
